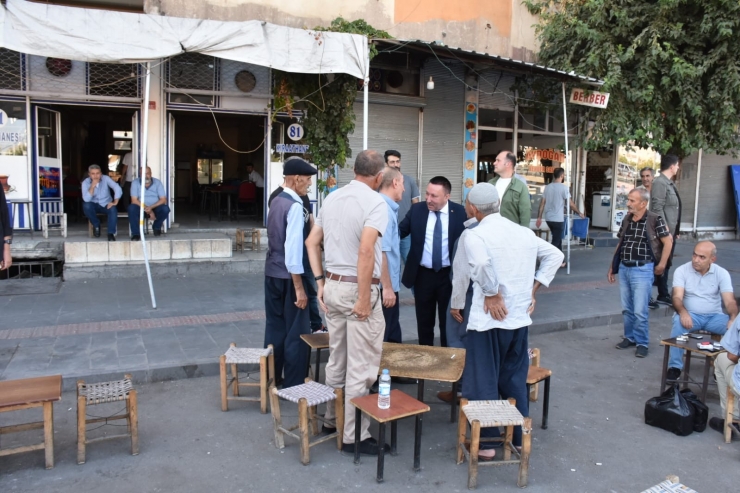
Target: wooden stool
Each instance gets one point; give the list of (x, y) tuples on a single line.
[(101, 393), (729, 420), (307, 395), (103, 221), (318, 342), (246, 356), (491, 414), (62, 217), (241, 236), (402, 406), (535, 375), (539, 232)]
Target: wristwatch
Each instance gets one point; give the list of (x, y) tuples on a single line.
[(318, 278), (9, 241)]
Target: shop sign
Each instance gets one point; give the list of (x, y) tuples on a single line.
[(551, 154), (589, 98), (295, 132), (291, 148)]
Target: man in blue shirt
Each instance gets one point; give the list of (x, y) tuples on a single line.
[(97, 200), (391, 189), (285, 286), (727, 372), (155, 204)]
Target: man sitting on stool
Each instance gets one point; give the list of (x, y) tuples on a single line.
[(96, 199), (154, 194), (699, 288)]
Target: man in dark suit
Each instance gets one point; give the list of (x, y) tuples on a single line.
[(434, 226)]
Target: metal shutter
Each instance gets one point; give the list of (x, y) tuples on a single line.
[(716, 202), (686, 186), (390, 127), (444, 125)]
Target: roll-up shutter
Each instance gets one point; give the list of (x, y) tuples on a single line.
[(390, 127), (444, 125), (716, 198), (686, 186)]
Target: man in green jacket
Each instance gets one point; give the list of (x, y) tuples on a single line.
[(515, 205)]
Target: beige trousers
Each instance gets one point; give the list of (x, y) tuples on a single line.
[(723, 369), (354, 347)]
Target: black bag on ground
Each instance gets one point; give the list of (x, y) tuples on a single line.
[(671, 412), (701, 411)]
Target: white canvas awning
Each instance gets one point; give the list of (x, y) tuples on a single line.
[(106, 36)]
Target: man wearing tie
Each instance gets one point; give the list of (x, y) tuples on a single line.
[(434, 226)]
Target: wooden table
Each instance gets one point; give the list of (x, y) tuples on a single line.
[(425, 363), (26, 394), (690, 348), (318, 342), (402, 406)]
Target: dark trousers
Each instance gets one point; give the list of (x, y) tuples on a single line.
[(92, 208), (556, 229), (392, 322), (662, 280), (432, 291), (160, 212), (496, 365), (126, 197), (313, 303), (284, 325)]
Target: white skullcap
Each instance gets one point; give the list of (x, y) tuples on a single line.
[(483, 194)]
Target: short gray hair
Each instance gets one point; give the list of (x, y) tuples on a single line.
[(92, 167), (643, 193), (369, 164), (651, 170), (390, 174), (487, 209)]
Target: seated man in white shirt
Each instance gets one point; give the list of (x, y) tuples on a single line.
[(503, 257)]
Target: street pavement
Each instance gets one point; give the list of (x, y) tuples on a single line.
[(596, 440), (98, 329)]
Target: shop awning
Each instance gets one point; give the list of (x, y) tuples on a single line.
[(93, 35)]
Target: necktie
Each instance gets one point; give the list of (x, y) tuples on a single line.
[(437, 244)]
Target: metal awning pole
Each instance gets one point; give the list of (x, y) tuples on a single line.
[(568, 162), (365, 93), (142, 180)]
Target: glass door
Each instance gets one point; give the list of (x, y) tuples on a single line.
[(49, 162)]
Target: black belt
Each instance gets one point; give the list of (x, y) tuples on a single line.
[(635, 263)]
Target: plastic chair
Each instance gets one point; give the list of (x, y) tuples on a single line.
[(247, 195), (580, 229)]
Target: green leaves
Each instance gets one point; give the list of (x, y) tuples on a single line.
[(672, 67)]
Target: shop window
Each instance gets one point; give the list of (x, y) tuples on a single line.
[(47, 134), (13, 130), (495, 118), (113, 79), (195, 72), (11, 70)]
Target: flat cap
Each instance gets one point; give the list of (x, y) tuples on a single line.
[(482, 194), (297, 166)]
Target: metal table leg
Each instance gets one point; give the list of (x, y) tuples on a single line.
[(546, 404), (665, 368), (420, 390), (705, 382), (381, 450), (318, 365), (687, 369), (358, 433), (394, 434), (308, 365), (417, 443)]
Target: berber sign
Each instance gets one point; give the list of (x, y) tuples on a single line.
[(589, 98)]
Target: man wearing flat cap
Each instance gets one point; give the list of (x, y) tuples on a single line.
[(285, 286), (503, 259)]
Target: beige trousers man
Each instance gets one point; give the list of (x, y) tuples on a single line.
[(723, 369), (354, 347)]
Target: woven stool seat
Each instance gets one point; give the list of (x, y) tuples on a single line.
[(245, 356), (97, 393), (493, 413), (314, 393)]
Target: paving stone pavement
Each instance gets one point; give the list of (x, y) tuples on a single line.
[(98, 329)]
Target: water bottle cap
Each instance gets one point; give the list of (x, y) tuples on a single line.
[(385, 371)]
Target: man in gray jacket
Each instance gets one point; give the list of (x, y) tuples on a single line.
[(664, 201)]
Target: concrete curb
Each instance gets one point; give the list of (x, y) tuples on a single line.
[(163, 268)]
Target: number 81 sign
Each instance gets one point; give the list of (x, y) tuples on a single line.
[(295, 132)]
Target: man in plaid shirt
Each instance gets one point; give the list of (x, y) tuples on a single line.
[(642, 253)]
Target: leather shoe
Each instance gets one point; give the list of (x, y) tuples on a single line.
[(136, 238), (96, 232), (327, 430), (111, 237), (447, 396), (673, 374), (718, 424), (157, 232), (368, 446)]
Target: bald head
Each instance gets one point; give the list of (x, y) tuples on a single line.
[(705, 254)]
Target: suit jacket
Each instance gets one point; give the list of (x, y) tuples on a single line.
[(415, 224)]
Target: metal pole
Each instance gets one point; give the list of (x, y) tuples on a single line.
[(568, 163), (142, 179), (696, 197), (365, 95)]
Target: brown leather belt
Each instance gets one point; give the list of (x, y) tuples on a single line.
[(335, 277)]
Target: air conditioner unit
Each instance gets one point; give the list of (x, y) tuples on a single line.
[(400, 82)]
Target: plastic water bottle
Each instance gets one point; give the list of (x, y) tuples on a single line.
[(384, 390)]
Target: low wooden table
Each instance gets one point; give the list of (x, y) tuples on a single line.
[(402, 406), (28, 393), (690, 348), (425, 363), (318, 342)]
